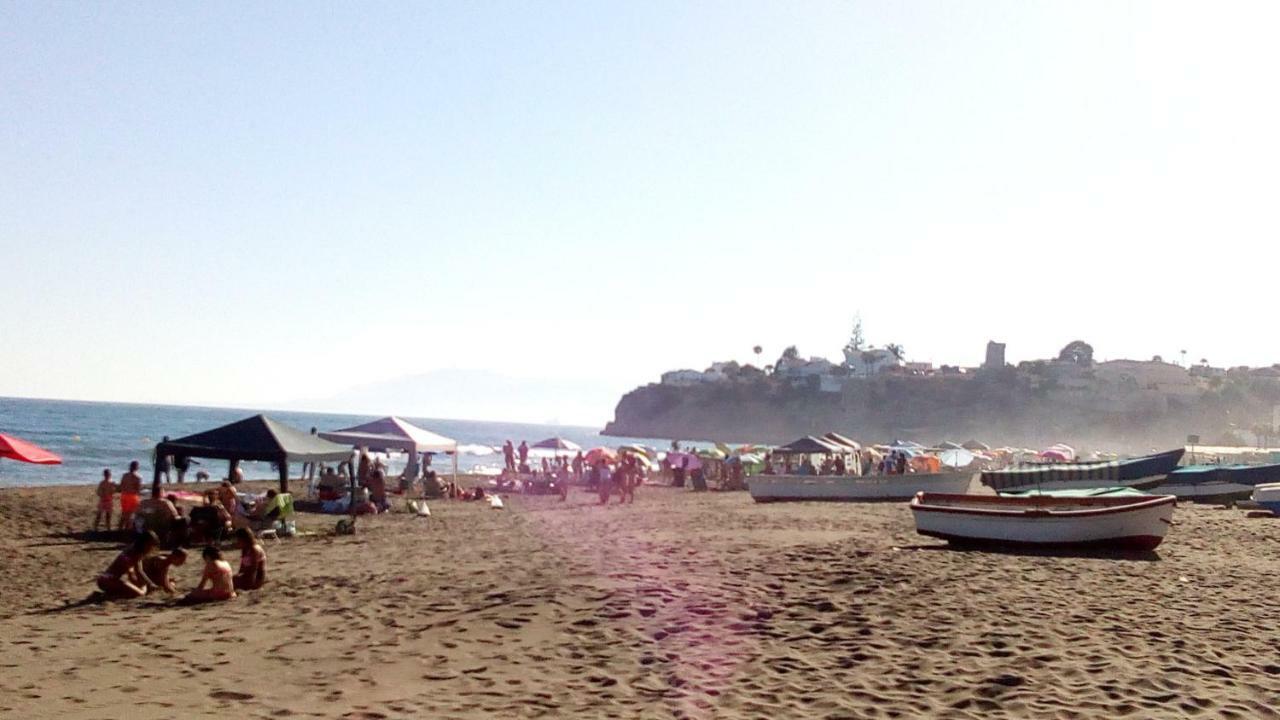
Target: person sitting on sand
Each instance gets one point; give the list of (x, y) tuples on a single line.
[(106, 493), (156, 514), (253, 562), (124, 578), (130, 495), (377, 486), (216, 583), (331, 484), (157, 569), (210, 521), (227, 496)]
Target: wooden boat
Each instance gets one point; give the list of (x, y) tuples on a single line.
[(1106, 521), (843, 488), (1142, 472), (1268, 497), (1221, 484)]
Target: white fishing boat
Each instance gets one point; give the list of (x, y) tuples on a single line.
[(1132, 522), (1268, 497), (842, 488)]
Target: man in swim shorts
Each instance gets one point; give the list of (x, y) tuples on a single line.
[(130, 495)]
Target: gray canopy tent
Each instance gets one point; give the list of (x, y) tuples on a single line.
[(393, 433), (254, 438)]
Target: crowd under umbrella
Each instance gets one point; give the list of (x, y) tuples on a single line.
[(13, 448), (396, 434), (258, 438)]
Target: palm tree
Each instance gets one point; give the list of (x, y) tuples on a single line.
[(896, 350)]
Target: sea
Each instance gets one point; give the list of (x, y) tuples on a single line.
[(91, 436)]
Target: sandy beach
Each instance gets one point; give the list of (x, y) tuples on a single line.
[(683, 605)]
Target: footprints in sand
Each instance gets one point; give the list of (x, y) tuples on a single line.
[(690, 607)]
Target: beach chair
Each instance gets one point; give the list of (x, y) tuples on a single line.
[(279, 518)]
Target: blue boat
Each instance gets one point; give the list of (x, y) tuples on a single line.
[(1143, 473), (1222, 484)]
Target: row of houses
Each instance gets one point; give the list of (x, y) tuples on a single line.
[(828, 376)]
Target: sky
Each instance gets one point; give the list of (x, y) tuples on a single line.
[(252, 204)]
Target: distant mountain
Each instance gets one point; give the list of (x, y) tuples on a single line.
[(477, 395)]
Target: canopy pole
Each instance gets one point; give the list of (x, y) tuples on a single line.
[(284, 475), (351, 501), (155, 476)]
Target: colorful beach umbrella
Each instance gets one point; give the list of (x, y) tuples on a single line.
[(595, 455), (18, 449)]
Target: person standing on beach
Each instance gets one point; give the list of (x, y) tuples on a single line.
[(509, 455), (181, 464), (162, 463), (364, 466), (577, 467), (106, 493), (524, 455), (130, 495), (308, 468)]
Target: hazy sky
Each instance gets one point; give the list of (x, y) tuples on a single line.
[(254, 203)]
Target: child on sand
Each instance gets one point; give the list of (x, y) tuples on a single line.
[(217, 578), (124, 578), (253, 561), (157, 569), (106, 496)]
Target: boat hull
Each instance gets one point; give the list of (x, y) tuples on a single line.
[(1100, 522), (1268, 497), (1141, 473), (1208, 492), (868, 488)]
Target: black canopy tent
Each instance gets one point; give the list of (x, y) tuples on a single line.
[(254, 438), (810, 445)]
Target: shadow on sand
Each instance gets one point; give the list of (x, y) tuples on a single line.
[(1099, 553)]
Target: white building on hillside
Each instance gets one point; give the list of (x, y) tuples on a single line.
[(683, 378), (864, 363)]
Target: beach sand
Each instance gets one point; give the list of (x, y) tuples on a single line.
[(683, 605)]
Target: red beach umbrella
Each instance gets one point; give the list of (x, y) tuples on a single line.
[(17, 449), (595, 455)]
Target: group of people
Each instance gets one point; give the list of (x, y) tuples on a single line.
[(220, 511), (603, 475), (139, 569), (856, 463)]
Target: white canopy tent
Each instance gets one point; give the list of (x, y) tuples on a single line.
[(393, 433)]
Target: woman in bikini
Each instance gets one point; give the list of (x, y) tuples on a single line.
[(216, 584), (124, 578), (253, 561)]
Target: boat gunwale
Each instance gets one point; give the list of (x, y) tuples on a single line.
[(1025, 507)]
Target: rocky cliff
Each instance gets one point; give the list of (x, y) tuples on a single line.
[(1122, 406)]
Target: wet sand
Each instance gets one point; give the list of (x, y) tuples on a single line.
[(683, 605)]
